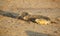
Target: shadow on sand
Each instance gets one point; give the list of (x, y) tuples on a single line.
[(31, 33)]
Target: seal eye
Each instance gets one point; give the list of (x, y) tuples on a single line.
[(32, 19)]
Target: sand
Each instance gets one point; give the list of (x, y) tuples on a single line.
[(17, 27)]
